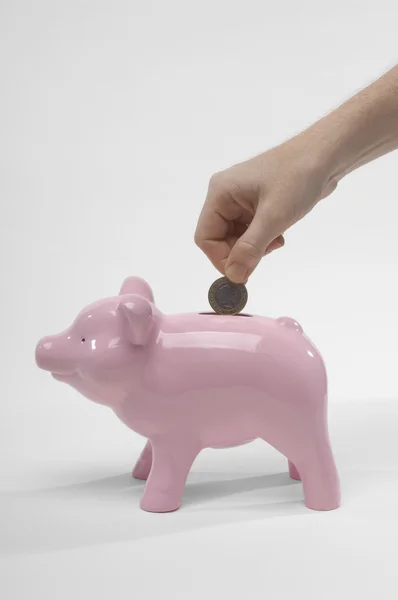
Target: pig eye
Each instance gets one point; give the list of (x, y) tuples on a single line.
[(83, 340)]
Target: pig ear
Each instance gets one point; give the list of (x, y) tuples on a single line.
[(138, 318), (136, 285)]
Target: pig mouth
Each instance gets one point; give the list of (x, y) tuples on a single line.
[(63, 376)]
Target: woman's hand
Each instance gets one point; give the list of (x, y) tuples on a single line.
[(250, 206)]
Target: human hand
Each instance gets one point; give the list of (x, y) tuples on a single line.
[(250, 205)]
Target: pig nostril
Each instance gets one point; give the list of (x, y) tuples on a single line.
[(83, 340)]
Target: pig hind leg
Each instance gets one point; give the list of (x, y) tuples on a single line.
[(144, 464), (293, 472), (310, 460), (320, 479)]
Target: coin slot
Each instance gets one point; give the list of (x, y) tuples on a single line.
[(217, 315)]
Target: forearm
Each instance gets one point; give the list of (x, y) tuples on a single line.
[(360, 130)]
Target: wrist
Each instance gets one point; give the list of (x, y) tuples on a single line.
[(330, 143)]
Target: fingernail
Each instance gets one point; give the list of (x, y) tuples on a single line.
[(274, 246), (236, 273)]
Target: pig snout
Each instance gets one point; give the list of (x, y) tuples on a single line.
[(53, 354)]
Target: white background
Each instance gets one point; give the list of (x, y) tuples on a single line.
[(113, 117)]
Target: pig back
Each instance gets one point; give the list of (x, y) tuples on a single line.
[(213, 352)]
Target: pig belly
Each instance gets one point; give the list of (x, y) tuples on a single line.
[(225, 418), (232, 445)]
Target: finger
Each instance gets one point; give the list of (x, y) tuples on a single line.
[(278, 242), (215, 225), (211, 237), (222, 248), (252, 245)]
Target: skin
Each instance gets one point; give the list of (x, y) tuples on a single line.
[(249, 206)]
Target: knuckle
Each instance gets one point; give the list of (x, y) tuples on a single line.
[(247, 247), (217, 181), (198, 238)]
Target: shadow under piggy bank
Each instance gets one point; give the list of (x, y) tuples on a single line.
[(106, 510)]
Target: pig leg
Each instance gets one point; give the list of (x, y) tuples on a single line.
[(172, 460), (144, 463), (293, 472), (320, 479)]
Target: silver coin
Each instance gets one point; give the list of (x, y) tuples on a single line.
[(226, 297)]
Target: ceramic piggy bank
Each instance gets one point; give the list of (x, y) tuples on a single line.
[(193, 381)]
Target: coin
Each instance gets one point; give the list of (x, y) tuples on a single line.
[(226, 297)]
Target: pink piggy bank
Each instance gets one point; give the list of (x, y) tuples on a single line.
[(194, 381)]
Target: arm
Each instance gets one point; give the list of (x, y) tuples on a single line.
[(360, 130), (250, 205)]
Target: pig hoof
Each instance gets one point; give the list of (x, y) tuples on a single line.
[(323, 506), (140, 473), (155, 506), (154, 509), (321, 499), (140, 477)]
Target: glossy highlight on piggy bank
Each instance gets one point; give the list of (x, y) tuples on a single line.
[(193, 381)]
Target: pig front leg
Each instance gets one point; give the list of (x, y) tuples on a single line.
[(144, 463), (172, 460)]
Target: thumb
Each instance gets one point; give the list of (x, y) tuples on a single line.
[(249, 249)]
